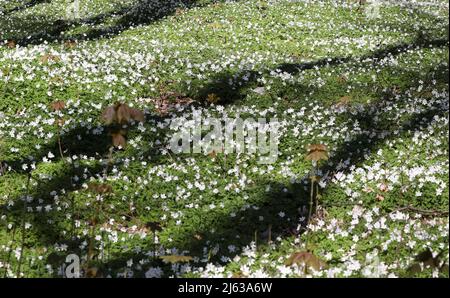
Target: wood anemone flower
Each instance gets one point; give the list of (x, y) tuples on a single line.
[(317, 152), (120, 113)]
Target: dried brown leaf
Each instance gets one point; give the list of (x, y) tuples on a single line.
[(342, 79), (307, 259), (238, 274), (123, 114), (11, 44), (137, 115), (60, 122), (100, 188), (213, 98), (92, 272), (58, 105), (317, 152), (49, 57), (70, 44), (176, 259), (344, 100), (118, 139), (109, 115)]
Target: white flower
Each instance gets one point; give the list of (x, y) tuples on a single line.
[(130, 262), (154, 272)]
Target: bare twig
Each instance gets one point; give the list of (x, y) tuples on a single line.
[(421, 211)]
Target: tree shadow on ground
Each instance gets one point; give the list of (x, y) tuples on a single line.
[(246, 226), (52, 226), (24, 6), (281, 198), (38, 29), (210, 237), (361, 147), (232, 87), (227, 87)]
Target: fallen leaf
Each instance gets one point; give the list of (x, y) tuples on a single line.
[(60, 122), (317, 152), (342, 79), (238, 274), (109, 115), (137, 115), (100, 188), (70, 44), (121, 114), (58, 105), (92, 272), (118, 139), (307, 259), (179, 11), (213, 98), (49, 57), (212, 154), (344, 100), (11, 44), (176, 259)]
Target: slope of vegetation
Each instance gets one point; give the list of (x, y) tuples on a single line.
[(372, 88)]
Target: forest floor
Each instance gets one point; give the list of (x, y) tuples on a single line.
[(367, 84)]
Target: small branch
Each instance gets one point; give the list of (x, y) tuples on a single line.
[(421, 211), (23, 226), (60, 147), (341, 204), (9, 253)]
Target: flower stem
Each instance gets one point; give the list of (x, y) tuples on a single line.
[(311, 201)]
